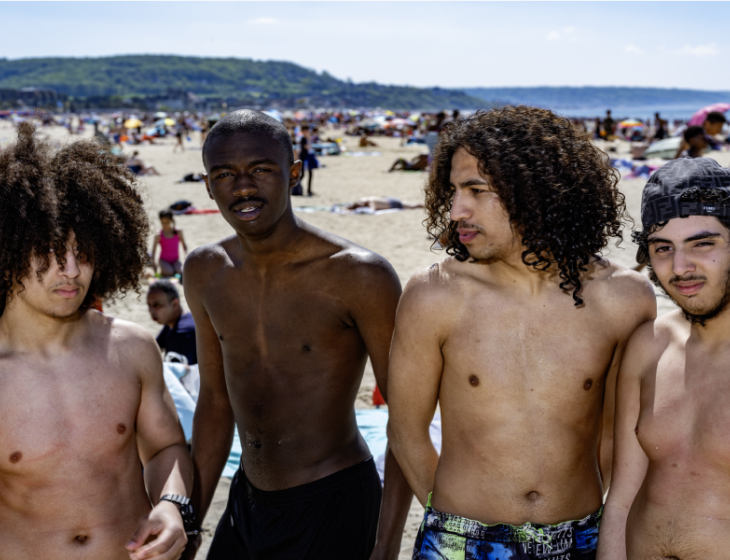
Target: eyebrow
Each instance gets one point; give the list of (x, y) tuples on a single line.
[(251, 164), (471, 183), (696, 237)]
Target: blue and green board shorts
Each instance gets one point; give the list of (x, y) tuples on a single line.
[(443, 536)]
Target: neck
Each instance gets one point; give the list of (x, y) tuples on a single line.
[(174, 320), (714, 332), (25, 328), (511, 269), (280, 244)]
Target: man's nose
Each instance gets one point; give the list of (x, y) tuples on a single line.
[(245, 186), (460, 208), (682, 263), (71, 267)]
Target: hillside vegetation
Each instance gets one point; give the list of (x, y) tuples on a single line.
[(236, 79)]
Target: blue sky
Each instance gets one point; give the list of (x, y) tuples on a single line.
[(654, 44)]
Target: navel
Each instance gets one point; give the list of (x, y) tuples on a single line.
[(588, 384), (220, 337), (81, 539), (121, 428), (15, 457), (473, 380), (533, 496), (306, 348)]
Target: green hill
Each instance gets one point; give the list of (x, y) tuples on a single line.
[(235, 80)]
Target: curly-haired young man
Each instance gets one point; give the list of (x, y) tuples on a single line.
[(82, 396), (517, 337), (670, 495)]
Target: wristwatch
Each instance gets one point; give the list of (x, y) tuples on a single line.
[(186, 511)]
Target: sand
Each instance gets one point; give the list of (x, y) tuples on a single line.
[(399, 237)]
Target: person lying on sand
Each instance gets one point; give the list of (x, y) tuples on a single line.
[(526, 407), (382, 203), (93, 462), (365, 142), (418, 163), (286, 317), (137, 166)]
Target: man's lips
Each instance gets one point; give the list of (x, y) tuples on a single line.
[(466, 235), (247, 212), (67, 291), (688, 288)]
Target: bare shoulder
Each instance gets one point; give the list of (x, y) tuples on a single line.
[(436, 289), (650, 340), (205, 260), (620, 290), (133, 344)]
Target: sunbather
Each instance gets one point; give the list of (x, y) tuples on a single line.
[(418, 163), (382, 203)]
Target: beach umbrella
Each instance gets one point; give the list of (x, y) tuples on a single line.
[(160, 115), (132, 123), (665, 149), (630, 122), (699, 117)]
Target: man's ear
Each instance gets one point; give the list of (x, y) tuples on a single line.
[(207, 185), (295, 173)]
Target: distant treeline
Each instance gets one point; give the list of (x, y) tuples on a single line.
[(590, 97), (232, 80)]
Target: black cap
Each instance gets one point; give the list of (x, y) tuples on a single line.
[(686, 187)]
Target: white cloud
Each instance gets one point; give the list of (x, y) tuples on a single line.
[(569, 30), (633, 49), (700, 50), (553, 36), (264, 20)]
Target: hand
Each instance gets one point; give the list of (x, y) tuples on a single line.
[(165, 523), (194, 542)]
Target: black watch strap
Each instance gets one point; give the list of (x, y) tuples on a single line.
[(186, 511)]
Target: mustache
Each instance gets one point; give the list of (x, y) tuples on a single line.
[(468, 225), (247, 200), (73, 283), (691, 278)]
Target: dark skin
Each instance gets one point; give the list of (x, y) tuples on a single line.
[(286, 316)]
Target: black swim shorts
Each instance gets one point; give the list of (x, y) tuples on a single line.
[(335, 517)]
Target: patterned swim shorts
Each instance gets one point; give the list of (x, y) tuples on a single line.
[(443, 536)]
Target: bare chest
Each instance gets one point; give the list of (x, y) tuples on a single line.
[(539, 352), (74, 410), (685, 411)]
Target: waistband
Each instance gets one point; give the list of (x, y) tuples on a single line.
[(340, 480), (504, 533)]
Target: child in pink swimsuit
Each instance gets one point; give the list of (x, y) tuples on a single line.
[(169, 239)]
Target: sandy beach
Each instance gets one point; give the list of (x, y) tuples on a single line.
[(399, 237)]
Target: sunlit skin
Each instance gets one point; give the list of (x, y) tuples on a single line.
[(286, 317), (84, 405), (670, 497), (519, 373)]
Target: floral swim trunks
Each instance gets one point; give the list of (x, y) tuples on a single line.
[(443, 536)]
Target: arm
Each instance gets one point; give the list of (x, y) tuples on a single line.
[(164, 456), (413, 385), (153, 252), (629, 462), (213, 423), (639, 306), (182, 242), (375, 318)]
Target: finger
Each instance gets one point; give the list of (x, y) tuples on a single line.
[(140, 536), (168, 540)]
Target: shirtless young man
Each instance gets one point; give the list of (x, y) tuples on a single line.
[(670, 495), (286, 316), (82, 396), (517, 337)]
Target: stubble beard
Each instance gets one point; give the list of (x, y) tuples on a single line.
[(700, 317)]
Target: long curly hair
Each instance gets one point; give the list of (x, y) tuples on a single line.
[(83, 188), (558, 189)]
